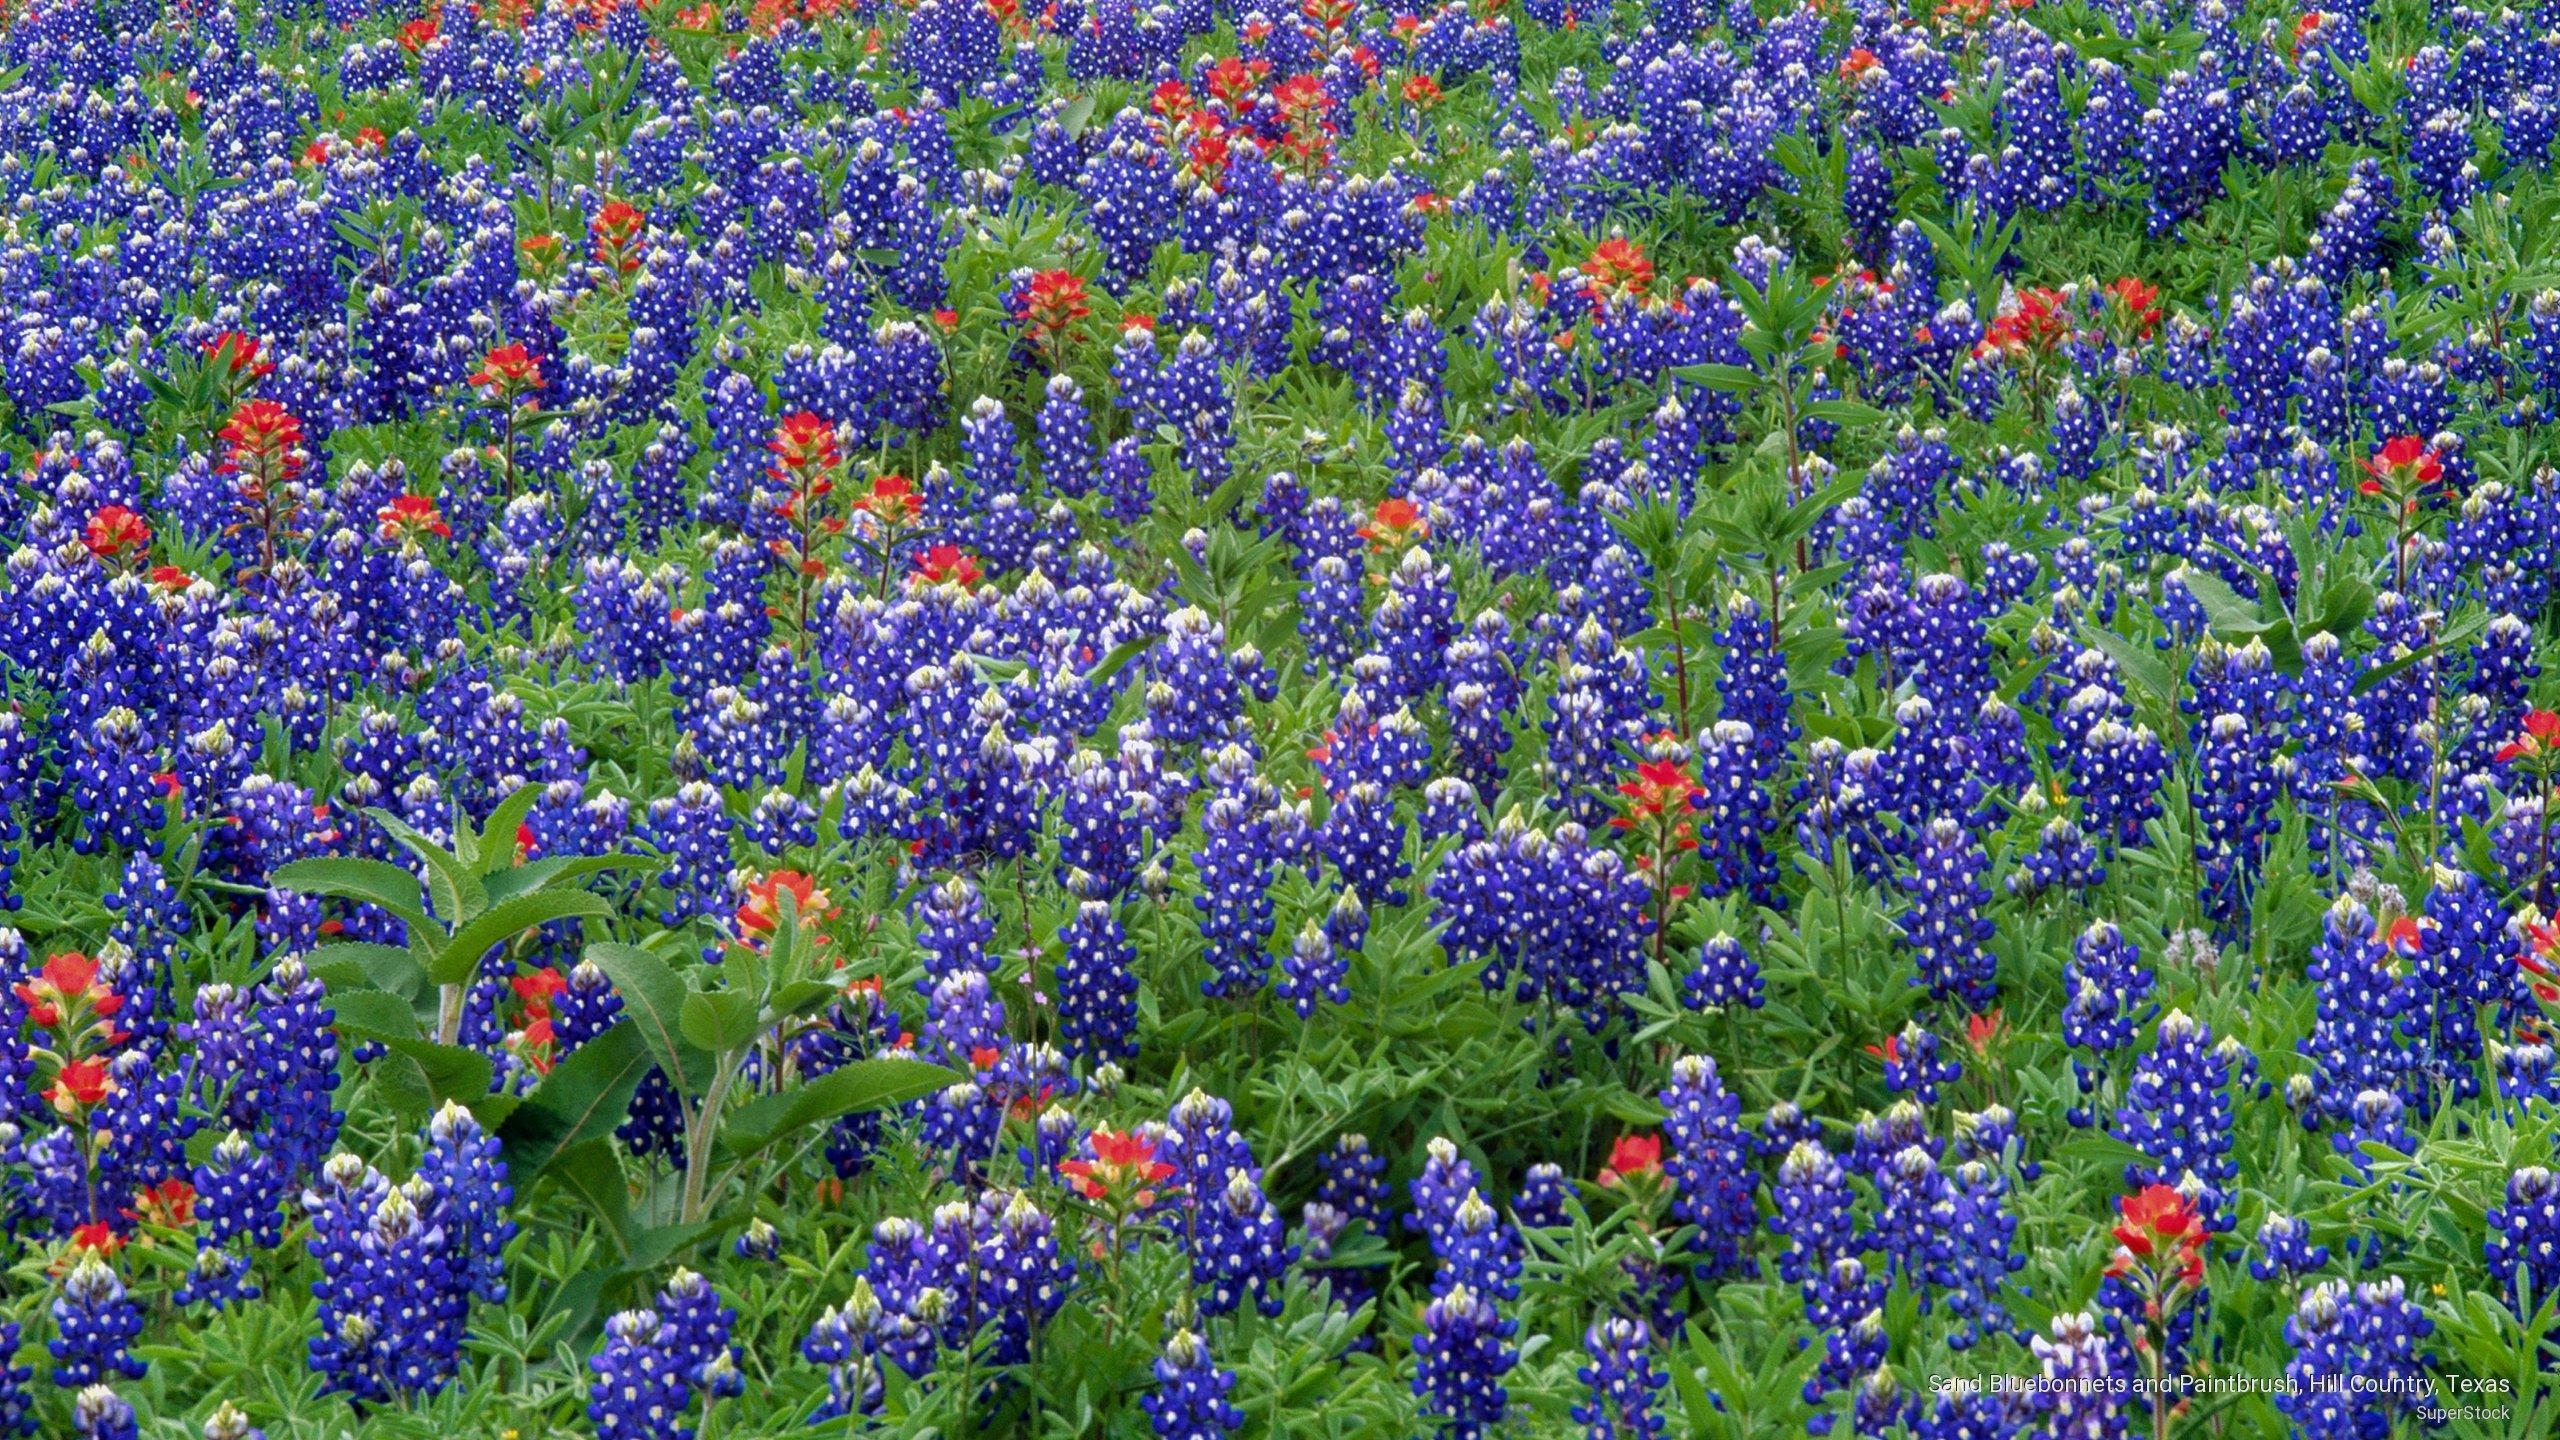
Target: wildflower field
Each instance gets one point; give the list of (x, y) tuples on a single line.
[(1278, 718)]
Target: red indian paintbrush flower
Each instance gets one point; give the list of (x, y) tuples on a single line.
[(2403, 464), (236, 356), (892, 500), (616, 233), (1051, 303), (264, 440), (2538, 740), (1124, 1166), (1618, 269), (2140, 301), (115, 532), (78, 1085), (805, 442), (2160, 1232), (410, 517), (945, 565), (1661, 787), (507, 372), (761, 911), (1632, 1157), (67, 985), (1394, 523)]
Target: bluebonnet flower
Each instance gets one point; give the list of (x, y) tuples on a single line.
[(99, 1413), (1313, 971), (2285, 1249), (2355, 1034), (1723, 976), (1814, 1207), (846, 1339), (96, 1323), (401, 1264), (1354, 1179), (1622, 1380), (1710, 1166), (1544, 1191), (2357, 1363), (2177, 1111), (1945, 928), (1190, 1398), (1912, 1063), (1460, 1356), (17, 1406), (2524, 1237), (2106, 984), (2239, 777), (1098, 985), (640, 1391)]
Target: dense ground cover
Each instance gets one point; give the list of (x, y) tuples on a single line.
[(1510, 720)]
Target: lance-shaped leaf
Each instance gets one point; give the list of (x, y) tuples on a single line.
[(455, 958), (583, 1098), (375, 882), (653, 1003), (451, 884), (859, 1086)]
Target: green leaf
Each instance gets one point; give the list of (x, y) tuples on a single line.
[(376, 882), (653, 1002), (592, 1171), (1738, 379), (454, 1072), (800, 997), (1843, 412), (453, 886), (374, 1015), (498, 836), (2139, 665), (1119, 658), (460, 955), (542, 874), (719, 1021), (2226, 610), (354, 964), (583, 1098), (862, 1085)]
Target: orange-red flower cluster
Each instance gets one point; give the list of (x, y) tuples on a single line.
[(1124, 1168), (411, 517), (2160, 1232)]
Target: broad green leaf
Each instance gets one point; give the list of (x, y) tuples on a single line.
[(459, 956), (592, 1171), (376, 882), (653, 1001), (1738, 379), (1119, 658), (498, 835), (454, 1072), (2226, 610), (719, 1021), (541, 874), (374, 1015), (452, 885), (381, 967), (861, 1085), (2139, 665), (583, 1098)]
